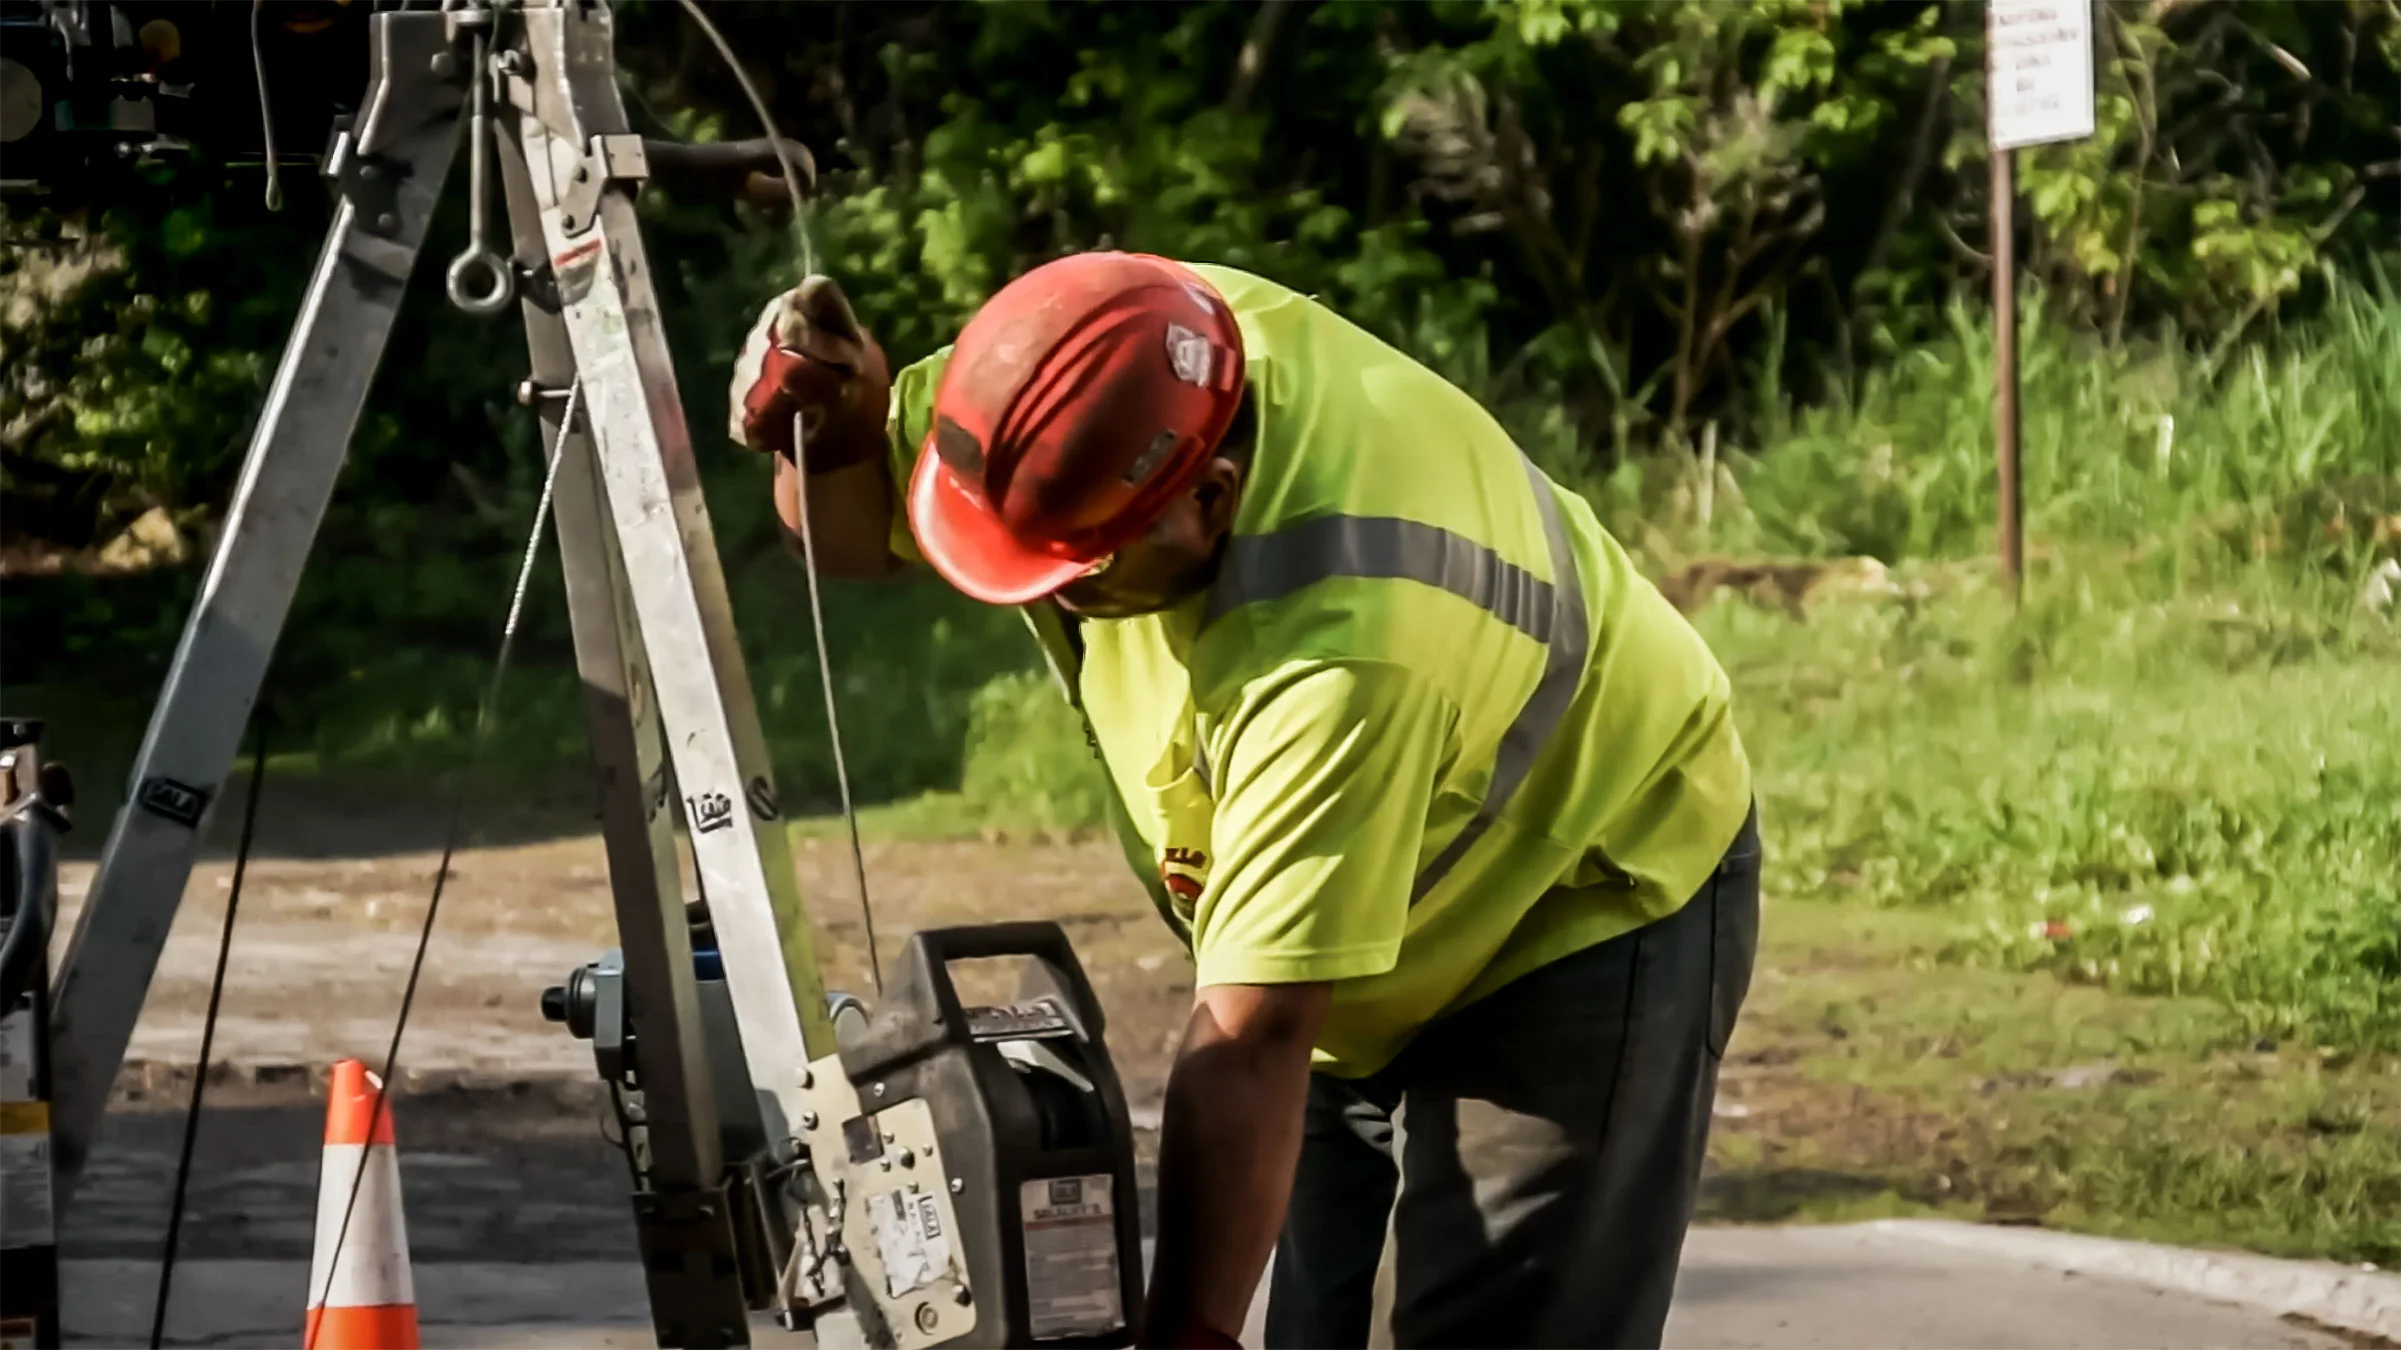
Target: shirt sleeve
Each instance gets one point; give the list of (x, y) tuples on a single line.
[(912, 416), (1325, 780)]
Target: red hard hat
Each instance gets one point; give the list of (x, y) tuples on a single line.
[(1077, 404)]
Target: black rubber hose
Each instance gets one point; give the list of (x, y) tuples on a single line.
[(32, 842)]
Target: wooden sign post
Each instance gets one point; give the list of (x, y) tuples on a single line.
[(2038, 89)]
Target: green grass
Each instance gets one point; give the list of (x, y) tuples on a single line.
[(2189, 795), (1876, 1080)]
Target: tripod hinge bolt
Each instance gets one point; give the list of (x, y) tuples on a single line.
[(529, 394), (808, 1120), (445, 65)]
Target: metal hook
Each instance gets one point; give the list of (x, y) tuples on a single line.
[(479, 263)]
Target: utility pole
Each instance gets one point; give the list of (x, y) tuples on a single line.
[(2038, 87), (2005, 370)]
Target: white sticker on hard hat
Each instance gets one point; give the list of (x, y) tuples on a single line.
[(1188, 352)]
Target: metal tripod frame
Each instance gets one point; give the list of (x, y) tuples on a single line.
[(642, 579)]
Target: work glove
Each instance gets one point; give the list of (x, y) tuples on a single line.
[(808, 354)]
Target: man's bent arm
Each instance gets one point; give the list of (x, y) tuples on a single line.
[(850, 513), (1230, 1141)]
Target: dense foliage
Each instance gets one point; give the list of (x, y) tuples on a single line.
[(1632, 228), (1641, 213)]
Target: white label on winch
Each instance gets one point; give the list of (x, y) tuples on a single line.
[(910, 1237), (1071, 1278)]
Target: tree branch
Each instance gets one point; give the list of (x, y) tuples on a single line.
[(1252, 63)]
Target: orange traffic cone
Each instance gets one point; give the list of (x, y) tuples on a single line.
[(360, 1293)]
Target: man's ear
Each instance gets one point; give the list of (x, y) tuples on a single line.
[(1219, 495)]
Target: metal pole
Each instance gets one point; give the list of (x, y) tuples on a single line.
[(583, 163), (2005, 369), (682, 1219), (390, 169)]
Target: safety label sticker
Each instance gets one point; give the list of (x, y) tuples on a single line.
[(17, 1333), (25, 1219), (1071, 1277), (910, 1237), (1018, 1021)]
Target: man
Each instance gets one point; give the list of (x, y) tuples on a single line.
[(1446, 799)]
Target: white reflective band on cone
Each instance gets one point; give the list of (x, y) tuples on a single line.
[(374, 1268)]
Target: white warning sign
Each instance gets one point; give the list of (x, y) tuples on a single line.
[(910, 1237), (1071, 1276), (2039, 77)]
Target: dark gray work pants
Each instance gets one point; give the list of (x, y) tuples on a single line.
[(1545, 1144)]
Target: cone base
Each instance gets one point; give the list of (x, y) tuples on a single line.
[(391, 1327)]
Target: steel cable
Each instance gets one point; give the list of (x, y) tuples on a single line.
[(808, 541), (208, 1036), (485, 716)]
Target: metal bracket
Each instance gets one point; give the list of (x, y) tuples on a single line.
[(370, 183), (617, 158)]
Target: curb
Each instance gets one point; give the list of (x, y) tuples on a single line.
[(2344, 1297)]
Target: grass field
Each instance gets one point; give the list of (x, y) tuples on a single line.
[(1870, 1077)]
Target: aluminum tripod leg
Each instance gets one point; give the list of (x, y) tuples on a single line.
[(678, 588), (584, 164), (390, 170), (683, 1217)]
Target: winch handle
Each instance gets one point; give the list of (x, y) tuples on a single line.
[(1040, 940)]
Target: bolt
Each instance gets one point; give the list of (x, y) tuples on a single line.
[(708, 1211), (964, 1298), (927, 1318), (958, 1186), (370, 173), (908, 1157), (883, 1164), (808, 1120), (444, 65), (879, 1089), (807, 1080), (388, 222), (512, 63)]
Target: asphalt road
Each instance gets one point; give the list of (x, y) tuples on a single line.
[(515, 1200), (1785, 1287), (493, 1176)]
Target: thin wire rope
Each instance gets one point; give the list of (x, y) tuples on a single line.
[(208, 1037), (825, 678), (450, 832), (266, 111), (808, 540), (783, 157)]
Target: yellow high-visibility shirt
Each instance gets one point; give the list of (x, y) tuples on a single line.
[(1428, 731)]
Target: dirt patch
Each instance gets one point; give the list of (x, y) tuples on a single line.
[(322, 946)]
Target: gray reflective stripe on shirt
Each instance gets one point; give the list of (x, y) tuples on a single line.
[(1272, 566), (1260, 567), (1562, 672)]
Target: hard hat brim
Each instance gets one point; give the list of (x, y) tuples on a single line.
[(970, 547)]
